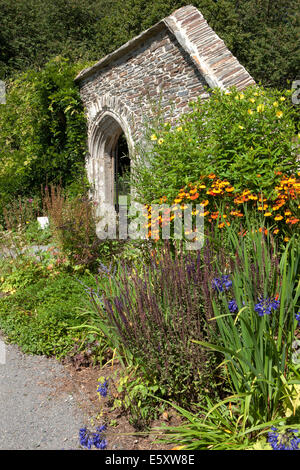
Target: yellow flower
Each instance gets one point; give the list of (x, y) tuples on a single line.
[(275, 104), (153, 137), (160, 141), (250, 111), (260, 108), (242, 96), (267, 214), (241, 127), (279, 114), (179, 129), (282, 98), (252, 100)]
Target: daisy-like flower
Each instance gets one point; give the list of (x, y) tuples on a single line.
[(279, 114), (260, 108)]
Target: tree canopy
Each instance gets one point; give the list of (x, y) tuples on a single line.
[(262, 34)]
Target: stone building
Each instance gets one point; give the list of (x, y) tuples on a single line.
[(173, 62)]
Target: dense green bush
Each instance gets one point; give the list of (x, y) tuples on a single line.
[(245, 137), (41, 307), (43, 131)]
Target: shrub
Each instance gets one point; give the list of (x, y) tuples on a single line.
[(43, 130), (41, 309), (243, 137), (153, 315), (73, 225), (256, 322)]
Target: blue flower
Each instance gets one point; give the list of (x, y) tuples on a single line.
[(232, 306), (286, 441), (102, 389), (220, 283), (297, 316), (88, 439), (265, 306)]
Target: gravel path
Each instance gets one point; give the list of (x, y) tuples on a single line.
[(32, 414)]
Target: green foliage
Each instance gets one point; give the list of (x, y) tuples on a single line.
[(32, 32), (41, 308), (135, 397), (244, 137), (262, 35), (43, 131), (257, 349)]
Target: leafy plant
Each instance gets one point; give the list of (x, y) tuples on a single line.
[(244, 137), (255, 326), (149, 317)]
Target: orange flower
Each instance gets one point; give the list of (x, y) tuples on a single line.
[(276, 231), (212, 176), (195, 196), (229, 189)]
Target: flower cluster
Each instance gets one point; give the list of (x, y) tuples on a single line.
[(265, 306), (280, 210), (286, 441), (232, 306), (88, 439), (102, 389), (222, 283)]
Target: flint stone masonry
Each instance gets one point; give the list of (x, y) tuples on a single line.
[(171, 64)]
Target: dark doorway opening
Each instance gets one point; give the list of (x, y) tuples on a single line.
[(122, 170)]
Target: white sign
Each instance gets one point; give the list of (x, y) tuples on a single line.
[(43, 221), (2, 352)]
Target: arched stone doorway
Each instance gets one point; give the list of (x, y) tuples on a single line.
[(109, 165)]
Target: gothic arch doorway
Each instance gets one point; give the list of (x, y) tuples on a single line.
[(109, 165)]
